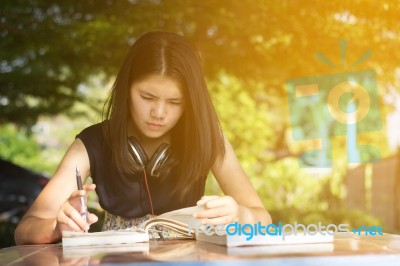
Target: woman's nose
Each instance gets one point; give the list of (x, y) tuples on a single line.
[(159, 111)]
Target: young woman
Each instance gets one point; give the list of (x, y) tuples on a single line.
[(159, 138)]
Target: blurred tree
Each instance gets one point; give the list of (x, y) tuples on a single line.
[(48, 49)]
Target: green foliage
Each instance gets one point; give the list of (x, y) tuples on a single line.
[(250, 128), (289, 192), (244, 121), (42, 146), (285, 185), (354, 218), (21, 148)]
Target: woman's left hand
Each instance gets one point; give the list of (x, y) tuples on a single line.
[(218, 210)]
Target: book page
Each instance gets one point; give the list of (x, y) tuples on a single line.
[(176, 220), (184, 215)]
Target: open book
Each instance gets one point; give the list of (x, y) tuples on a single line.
[(177, 221)]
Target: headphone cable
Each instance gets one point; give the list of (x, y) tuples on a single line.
[(148, 191), (151, 202)]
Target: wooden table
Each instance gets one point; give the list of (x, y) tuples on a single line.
[(345, 250)]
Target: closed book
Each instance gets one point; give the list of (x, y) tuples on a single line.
[(70, 238), (236, 240)]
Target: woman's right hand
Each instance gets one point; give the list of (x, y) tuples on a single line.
[(69, 216)]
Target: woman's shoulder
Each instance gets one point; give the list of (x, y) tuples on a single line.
[(94, 132), (94, 129), (94, 138)]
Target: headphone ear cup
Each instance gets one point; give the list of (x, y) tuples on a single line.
[(157, 163), (168, 166), (137, 152)]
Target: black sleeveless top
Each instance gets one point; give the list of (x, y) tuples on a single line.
[(127, 197)]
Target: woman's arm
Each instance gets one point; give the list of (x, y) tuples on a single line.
[(56, 207), (241, 202)]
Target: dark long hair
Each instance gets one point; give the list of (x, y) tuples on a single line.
[(197, 139)]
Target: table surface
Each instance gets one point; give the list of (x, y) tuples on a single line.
[(344, 250)]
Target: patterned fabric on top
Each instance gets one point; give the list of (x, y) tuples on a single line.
[(115, 222)]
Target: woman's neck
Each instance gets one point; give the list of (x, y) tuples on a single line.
[(149, 145)]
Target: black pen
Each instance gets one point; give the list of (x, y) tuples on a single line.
[(80, 187)]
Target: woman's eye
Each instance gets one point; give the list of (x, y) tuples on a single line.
[(176, 103), (146, 97)]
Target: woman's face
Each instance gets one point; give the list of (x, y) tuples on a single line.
[(156, 104)]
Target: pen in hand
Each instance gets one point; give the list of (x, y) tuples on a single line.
[(80, 187)]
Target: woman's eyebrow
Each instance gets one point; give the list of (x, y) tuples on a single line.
[(181, 98), (147, 93)]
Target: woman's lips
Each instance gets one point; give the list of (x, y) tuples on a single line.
[(154, 126)]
